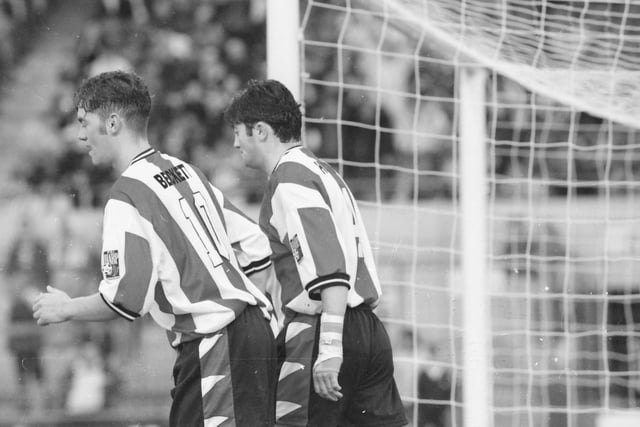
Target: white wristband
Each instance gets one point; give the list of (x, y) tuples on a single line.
[(330, 341)]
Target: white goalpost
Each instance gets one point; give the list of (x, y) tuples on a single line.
[(283, 43), (473, 210), (494, 150)]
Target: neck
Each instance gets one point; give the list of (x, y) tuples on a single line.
[(276, 153), (130, 148)]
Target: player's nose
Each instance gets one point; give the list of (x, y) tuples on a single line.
[(82, 135)]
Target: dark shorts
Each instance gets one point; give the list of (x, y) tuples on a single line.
[(227, 378), (370, 396)]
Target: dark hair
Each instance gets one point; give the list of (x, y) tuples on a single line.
[(267, 101), (116, 91)]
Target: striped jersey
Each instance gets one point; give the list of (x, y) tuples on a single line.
[(175, 248), (317, 235)]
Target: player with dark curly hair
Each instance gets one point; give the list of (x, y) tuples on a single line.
[(336, 365)]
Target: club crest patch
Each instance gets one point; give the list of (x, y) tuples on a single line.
[(110, 264), (295, 248)]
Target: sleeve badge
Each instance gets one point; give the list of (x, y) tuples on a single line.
[(110, 264), (296, 250)]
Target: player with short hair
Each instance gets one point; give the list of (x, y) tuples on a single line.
[(175, 248), (336, 364)]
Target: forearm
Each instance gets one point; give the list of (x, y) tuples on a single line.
[(326, 368), (55, 306), (334, 304), (89, 308), (334, 300)]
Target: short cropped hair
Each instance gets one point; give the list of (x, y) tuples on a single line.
[(121, 92), (267, 101)]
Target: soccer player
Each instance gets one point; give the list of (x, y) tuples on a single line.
[(336, 365), (174, 247)]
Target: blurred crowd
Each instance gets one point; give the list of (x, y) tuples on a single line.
[(193, 55), (17, 17)]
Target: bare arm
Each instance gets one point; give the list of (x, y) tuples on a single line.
[(334, 300), (55, 306)]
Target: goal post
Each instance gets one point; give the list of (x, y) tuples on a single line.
[(477, 389), (283, 43), (494, 150)]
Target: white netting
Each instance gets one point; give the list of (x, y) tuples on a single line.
[(584, 53), (381, 88)]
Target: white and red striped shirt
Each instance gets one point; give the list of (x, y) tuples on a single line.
[(317, 235), (175, 248)]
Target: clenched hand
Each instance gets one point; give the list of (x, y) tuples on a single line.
[(49, 307)]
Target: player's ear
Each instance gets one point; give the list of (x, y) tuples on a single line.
[(113, 124), (262, 130)]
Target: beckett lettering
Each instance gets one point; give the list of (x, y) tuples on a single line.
[(172, 176)]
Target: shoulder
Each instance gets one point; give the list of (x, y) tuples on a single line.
[(295, 173), (133, 184), (297, 165)]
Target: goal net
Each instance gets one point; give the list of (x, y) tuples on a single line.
[(552, 307)]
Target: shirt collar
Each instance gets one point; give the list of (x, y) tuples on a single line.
[(144, 154), (284, 153)]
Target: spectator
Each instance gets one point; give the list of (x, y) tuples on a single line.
[(434, 385), (28, 271), (87, 379)]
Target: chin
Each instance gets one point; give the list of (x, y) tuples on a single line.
[(95, 160)]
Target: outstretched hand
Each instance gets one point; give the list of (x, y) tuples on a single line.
[(325, 379), (49, 307)]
